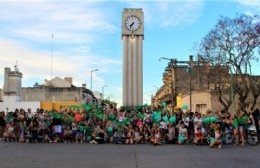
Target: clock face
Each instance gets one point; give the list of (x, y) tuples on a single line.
[(132, 23)]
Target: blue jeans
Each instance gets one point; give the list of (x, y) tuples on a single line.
[(118, 140)]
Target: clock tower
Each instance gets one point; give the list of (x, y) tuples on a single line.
[(132, 38)]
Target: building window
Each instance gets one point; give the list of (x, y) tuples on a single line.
[(202, 108)]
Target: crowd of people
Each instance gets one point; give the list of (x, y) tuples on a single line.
[(135, 126)]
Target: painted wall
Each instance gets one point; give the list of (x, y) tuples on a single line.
[(11, 103), (52, 94), (57, 105), (198, 98)]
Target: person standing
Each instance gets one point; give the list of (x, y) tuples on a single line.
[(256, 116), (2, 124)]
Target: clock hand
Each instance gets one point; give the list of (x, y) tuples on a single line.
[(132, 24)]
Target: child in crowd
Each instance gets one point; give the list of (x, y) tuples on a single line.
[(23, 131), (33, 128), (109, 133), (156, 138), (217, 141), (80, 134), (146, 133), (27, 137), (97, 136), (9, 132), (183, 133), (199, 139), (119, 136), (68, 135), (170, 136), (137, 135), (130, 133), (74, 130)]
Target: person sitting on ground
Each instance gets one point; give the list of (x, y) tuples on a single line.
[(47, 139), (23, 131), (147, 134), (156, 138), (183, 133), (56, 138), (68, 135), (197, 121), (170, 135), (34, 129), (119, 136), (137, 135), (109, 132), (98, 135), (27, 137), (218, 134), (9, 132), (129, 135), (199, 139)]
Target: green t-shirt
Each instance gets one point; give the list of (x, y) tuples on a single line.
[(235, 122), (243, 120)]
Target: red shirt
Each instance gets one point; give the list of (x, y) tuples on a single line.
[(77, 117), (198, 134)]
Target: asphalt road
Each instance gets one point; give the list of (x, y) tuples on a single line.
[(126, 156)]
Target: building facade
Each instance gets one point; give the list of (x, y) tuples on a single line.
[(12, 82), (190, 83), (58, 89), (199, 85)]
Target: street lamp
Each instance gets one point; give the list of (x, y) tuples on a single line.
[(173, 66), (110, 96), (91, 77), (189, 72), (103, 94), (157, 88)]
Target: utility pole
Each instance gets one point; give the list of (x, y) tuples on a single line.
[(173, 64)]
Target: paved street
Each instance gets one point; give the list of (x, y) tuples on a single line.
[(126, 156)]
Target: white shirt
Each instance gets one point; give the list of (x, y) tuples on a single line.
[(187, 121), (197, 122), (182, 131), (162, 124)]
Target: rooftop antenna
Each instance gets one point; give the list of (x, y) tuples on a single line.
[(51, 55), (16, 66)]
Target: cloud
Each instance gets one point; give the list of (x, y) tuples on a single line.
[(250, 3), (78, 29), (169, 13), (250, 7), (35, 64), (71, 22), (179, 12)]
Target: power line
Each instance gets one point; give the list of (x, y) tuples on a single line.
[(150, 91)]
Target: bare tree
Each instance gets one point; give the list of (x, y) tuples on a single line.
[(234, 43), (255, 90), (220, 85)]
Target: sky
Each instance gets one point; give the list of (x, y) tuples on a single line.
[(87, 36)]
